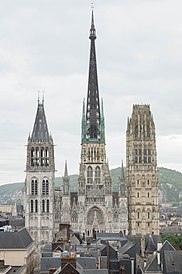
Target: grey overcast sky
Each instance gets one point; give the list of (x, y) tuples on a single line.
[(44, 46)]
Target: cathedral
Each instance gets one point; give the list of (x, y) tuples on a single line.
[(94, 207)]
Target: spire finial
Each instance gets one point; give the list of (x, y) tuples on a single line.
[(38, 100), (92, 29), (43, 92), (92, 6)]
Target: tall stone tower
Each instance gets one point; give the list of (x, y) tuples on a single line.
[(39, 183), (141, 163), (95, 189)]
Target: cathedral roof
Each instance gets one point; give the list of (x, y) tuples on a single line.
[(40, 131)]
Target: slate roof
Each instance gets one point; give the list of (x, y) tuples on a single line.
[(110, 236), (173, 262), (87, 262), (47, 248), (152, 264), (150, 246), (49, 262), (68, 268), (125, 248), (166, 246), (40, 130), (16, 269), (19, 239), (17, 223), (95, 271)]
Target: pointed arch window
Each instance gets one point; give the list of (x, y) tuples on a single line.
[(115, 216), (138, 214), (97, 175), (31, 206), (136, 130), (42, 156), (45, 187), (74, 217), (32, 156), (89, 175), (37, 156), (43, 205), (148, 130), (147, 155), (36, 206), (46, 156), (34, 187), (138, 154), (47, 206)]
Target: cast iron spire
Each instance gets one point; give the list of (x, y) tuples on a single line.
[(93, 115)]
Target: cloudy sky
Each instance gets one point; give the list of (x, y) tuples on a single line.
[(44, 46)]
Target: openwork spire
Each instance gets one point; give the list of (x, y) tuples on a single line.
[(93, 121)]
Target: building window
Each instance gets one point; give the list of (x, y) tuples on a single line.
[(138, 155), (148, 215), (45, 187), (47, 205), (148, 194), (36, 206), (147, 155), (47, 156), (31, 205), (74, 217), (136, 130), (43, 206), (148, 130), (34, 187), (138, 194), (89, 175), (97, 175), (138, 215)]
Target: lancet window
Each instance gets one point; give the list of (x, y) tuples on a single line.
[(97, 175), (45, 187), (89, 175), (34, 187)]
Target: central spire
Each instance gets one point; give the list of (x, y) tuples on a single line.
[(92, 122)]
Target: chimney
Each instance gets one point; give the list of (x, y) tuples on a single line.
[(108, 256), (159, 245), (52, 270), (122, 270)]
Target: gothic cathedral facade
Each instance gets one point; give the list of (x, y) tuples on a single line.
[(94, 207)]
